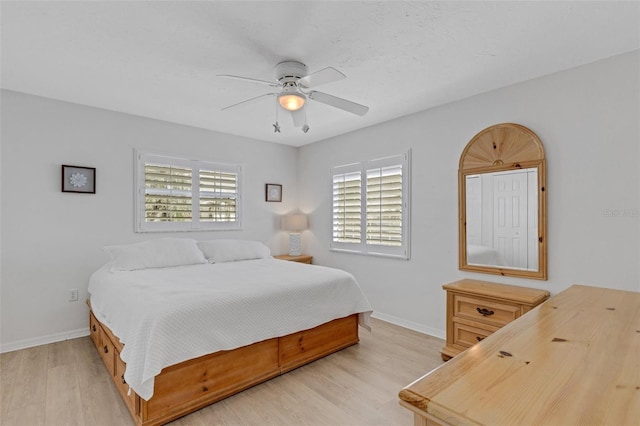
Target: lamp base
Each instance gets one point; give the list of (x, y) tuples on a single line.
[(295, 247)]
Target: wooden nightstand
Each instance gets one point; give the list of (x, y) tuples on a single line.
[(303, 258), (476, 309)]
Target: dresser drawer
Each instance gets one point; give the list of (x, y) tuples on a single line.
[(467, 336), (485, 311)]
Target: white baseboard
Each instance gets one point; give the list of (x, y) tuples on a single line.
[(410, 325), (44, 340)]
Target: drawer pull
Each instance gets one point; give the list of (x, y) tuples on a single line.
[(105, 349), (124, 382), (484, 312), (479, 339), (94, 328)]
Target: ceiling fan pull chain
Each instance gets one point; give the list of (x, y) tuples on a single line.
[(276, 126)]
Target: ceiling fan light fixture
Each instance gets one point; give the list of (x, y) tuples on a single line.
[(291, 101)]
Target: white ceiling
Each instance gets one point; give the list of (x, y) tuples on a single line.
[(160, 59)]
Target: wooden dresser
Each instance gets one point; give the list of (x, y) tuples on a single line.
[(573, 360), (475, 309)]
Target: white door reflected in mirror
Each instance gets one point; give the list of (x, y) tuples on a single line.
[(502, 219)]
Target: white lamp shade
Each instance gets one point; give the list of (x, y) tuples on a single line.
[(291, 101), (294, 222)]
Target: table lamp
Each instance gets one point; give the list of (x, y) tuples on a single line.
[(294, 223)]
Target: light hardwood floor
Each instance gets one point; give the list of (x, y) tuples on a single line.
[(65, 384)]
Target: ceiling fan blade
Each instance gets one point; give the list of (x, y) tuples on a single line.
[(299, 117), (337, 102), (248, 100), (254, 80), (326, 75)]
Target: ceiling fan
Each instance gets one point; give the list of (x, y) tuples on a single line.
[(295, 85)]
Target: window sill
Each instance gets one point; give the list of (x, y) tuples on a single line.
[(374, 254)]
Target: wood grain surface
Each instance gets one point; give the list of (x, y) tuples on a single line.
[(572, 360)]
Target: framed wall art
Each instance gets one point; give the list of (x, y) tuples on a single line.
[(78, 179), (273, 192)]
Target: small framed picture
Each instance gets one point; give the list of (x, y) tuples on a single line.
[(78, 179), (273, 192)]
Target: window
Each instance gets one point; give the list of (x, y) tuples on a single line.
[(176, 194), (371, 207), (347, 207)]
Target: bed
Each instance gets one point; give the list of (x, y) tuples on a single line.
[(181, 324), (483, 255)]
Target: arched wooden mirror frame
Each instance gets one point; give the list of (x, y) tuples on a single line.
[(503, 147)]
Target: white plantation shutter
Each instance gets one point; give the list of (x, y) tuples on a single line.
[(347, 207), (175, 194), (384, 206), (371, 207), (218, 194), (167, 193)]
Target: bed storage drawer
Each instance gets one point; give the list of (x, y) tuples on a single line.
[(94, 330), (212, 377), (296, 349), (107, 351), (108, 346), (122, 385)]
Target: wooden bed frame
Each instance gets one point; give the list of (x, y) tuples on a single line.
[(186, 387)]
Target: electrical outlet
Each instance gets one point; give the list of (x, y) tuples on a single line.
[(73, 295)]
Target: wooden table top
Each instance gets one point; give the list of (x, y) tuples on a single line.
[(573, 360)]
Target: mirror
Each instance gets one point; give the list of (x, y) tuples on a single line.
[(502, 203)]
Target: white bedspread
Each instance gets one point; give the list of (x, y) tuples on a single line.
[(165, 316), (483, 255)]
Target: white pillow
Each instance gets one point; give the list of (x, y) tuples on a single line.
[(219, 251), (158, 253)]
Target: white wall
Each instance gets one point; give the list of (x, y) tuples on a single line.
[(588, 120), (52, 241)]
